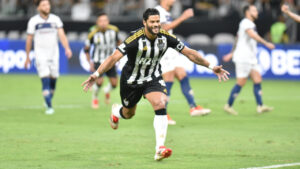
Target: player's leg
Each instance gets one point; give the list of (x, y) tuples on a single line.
[(155, 94), (95, 92), (257, 79), (113, 82), (242, 72), (187, 91), (52, 86)]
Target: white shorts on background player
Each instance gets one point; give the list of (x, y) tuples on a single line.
[(45, 38), (243, 70), (170, 60)]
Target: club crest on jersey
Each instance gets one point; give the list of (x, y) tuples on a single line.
[(160, 44)]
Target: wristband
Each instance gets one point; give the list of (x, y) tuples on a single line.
[(97, 74), (211, 66)]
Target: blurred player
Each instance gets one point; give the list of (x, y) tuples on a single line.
[(285, 9), (44, 28), (141, 75), (244, 57), (104, 38), (171, 62)]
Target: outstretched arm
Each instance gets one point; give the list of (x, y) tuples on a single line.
[(28, 49), (104, 67), (195, 57), (64, 41), (188, 13), (259, 39), (285, 9)]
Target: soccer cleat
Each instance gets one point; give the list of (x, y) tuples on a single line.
[(162, 153), (263, 109), (199, 111), (49, 111), (113, 120), (107, 98), (230, 110), (170, 120), (95, 104)]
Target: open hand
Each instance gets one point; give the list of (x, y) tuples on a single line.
[(221, 73), (89, 82)]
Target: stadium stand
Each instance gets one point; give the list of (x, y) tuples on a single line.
[(199, 39), (222, 38)]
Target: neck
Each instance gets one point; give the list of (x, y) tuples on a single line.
[(149, 35), (43, 15), (250, 18), (165, 6)]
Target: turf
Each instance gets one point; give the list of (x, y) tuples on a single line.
[(78, 137)]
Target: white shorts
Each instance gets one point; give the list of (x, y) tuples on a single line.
[(47, 67), (243, 70), (170, 60)]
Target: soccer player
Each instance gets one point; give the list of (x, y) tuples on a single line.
[(104, 38), (44, 28), (285, 9), (141, 75), (171, 62), (244, 57)]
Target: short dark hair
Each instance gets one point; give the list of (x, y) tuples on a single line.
[(150, 11), (246, 8), (37, 2), (101, 14)]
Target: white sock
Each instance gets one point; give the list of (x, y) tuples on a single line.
[(107, 88), (116, 111), (95, 91), (160, 124)]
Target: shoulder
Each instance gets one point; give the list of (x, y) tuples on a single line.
[(93, 32), (166, 33), (113, 27), (134, 35), (51, 15), (34, 18), (247, 23)]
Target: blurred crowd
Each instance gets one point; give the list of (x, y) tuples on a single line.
[(118, 9)]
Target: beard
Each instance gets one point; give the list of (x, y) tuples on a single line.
[(46, 13), (254, 17), (150, 29)]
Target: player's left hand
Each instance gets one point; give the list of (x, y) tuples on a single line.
[(68, 53), (221, 73), (285, 8), (89, 82)]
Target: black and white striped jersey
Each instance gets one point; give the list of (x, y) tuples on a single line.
[(143, 64), (104, 43)]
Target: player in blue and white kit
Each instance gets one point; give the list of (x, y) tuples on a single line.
[(244, 57), (45, 28), (172, 61)]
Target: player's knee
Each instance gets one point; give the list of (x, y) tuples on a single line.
[(160, 103), (46, 92)]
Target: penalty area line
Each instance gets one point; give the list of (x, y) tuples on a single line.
[(274, 166)]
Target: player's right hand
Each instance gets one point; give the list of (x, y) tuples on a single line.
[(27, 63), (188, 13), (285, 8), (227, 58), (89, 82), (270, 45)]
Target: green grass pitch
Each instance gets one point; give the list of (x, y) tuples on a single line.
[(78, 137)]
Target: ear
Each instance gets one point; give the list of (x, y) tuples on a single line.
[(144, 22)]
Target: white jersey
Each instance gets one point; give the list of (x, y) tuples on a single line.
[(165, 16), (45, 36), (246, 47)]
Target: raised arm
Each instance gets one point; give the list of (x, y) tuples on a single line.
[(28, 49), (285, 9), (64, 41), (195, 57), (259, 39), (188, 13), (104, 67)]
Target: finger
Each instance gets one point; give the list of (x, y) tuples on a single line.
[(227, 78), (219, 77), (85, 82)]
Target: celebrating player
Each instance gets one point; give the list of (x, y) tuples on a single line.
[(141, 75), (285, 9), (44, 28), (172, 63), (104, 38), (244, 57)]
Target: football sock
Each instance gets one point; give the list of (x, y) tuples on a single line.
[(95, 92), (119, 113), (187, 91), (46, 91), (234, 93), (108, 88), (258, 93), (160, 124), (52, 86)]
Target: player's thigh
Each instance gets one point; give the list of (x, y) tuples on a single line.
[(54, 68), (43, 68), (242, 70), (169, 76), (113, 81), (156, 94), (241, 81), (130, 94), (180, 73), (100, 80)]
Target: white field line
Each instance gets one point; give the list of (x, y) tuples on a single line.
[(67, 106), (274, 166)]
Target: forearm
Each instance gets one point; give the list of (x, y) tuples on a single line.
[(106, 65), (28, 47), (174, 24), (64, 41), (259, 39), (293, 16), (195, 57)]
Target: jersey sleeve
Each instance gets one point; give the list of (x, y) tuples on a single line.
[(59, 23), (248, 25), (31, 27), (174, 43)]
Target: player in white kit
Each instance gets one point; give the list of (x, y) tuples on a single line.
[(45, 28), (172, 60), (244, 56)]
